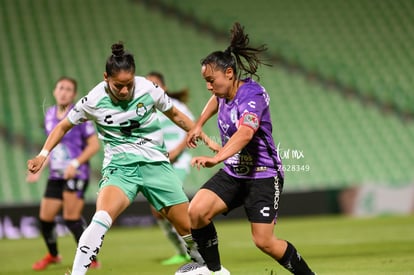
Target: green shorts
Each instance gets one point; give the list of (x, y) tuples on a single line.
[(157, 181), (181, 174)]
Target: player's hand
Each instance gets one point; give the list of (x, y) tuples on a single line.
[(70, 172), (32, 178), (35, 164), (193, 136), (204, 161)]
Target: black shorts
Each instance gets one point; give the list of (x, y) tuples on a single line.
[(55, 188), (260, 197)]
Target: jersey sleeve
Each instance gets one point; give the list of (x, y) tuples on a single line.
[(251, 110), (78, 113), (161, 100)]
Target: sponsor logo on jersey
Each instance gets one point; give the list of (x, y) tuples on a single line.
[(241, 169)]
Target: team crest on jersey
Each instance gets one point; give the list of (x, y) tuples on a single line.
[(141, 109), (224, 126)]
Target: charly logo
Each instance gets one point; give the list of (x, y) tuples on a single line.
[(265, 211)]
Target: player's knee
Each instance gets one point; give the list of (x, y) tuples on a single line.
[(197, 214), (262, 243), (193, 212)]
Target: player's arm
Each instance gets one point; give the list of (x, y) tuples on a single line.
[(209, 110), (177, 150), (35, 164), (236, 143), (185, 123), (196, 133), (92, 147), (179, 118)]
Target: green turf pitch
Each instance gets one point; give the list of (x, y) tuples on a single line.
[(331, 245)]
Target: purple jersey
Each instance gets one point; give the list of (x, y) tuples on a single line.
[(250, 107), (70, 147)]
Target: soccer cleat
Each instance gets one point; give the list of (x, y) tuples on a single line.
[(95, 264), (193, 268), (197, 269), (177, 259), (222, 271), (46, 261)]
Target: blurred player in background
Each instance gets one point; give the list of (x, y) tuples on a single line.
[(69, 173), (175, 141), (252, 175), (123, 107)]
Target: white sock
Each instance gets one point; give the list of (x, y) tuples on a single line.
[(173, 236), (90, 242), (192, 249)]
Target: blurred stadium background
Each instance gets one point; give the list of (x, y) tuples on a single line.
[(341, 87)]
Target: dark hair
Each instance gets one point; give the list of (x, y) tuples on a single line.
[(181, 95), (158, 75), (70, 79), (119, 60), (238, 49)]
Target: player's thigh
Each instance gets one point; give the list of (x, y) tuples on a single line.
[(113, 200), (118, 187), (218, 195), (49, 208), (73, 198), (205, 205), (162, 187), (126, 177), (51, 202), (72, 205)]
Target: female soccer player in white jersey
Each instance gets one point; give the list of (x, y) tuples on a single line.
[(252, 174), (123, 109)]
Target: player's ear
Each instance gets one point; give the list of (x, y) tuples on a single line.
[(105, 76), (229, 73)]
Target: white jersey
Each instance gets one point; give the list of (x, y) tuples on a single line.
[(130, 130), (174, 135)]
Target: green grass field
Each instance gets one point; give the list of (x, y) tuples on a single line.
[(331, 245)]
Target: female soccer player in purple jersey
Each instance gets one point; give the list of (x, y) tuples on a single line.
[(251, 176), (68, 173)]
